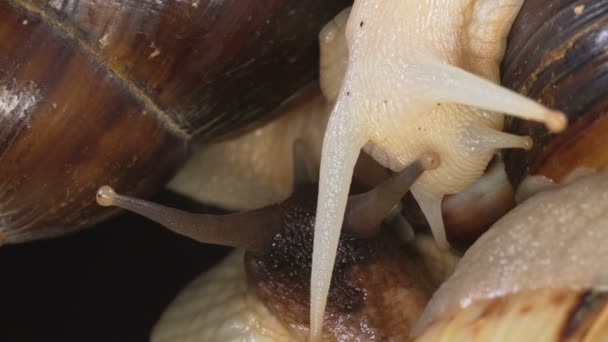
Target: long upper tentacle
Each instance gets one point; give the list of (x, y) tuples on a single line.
[(341, 146), (453, 84)]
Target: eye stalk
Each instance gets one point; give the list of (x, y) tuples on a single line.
[(106, 196), (252, 231), (255, 230)]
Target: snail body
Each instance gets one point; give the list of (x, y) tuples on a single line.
[(488, 276), (554, 245), (95, 92), (373, 272), (421, 76), (227, 303)]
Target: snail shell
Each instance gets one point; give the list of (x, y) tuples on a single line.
[(95, 92), (541, 315), (557, 54)]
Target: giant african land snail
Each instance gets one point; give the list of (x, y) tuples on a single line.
[(539, 273), (501, 29), (574, 10), (421, 75), (373, 279)]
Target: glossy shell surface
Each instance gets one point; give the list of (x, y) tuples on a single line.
[(557, 54), (95, 92)]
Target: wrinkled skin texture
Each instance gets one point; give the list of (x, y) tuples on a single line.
[(421, 76), (374, 279)]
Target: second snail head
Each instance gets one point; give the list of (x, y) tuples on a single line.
[(278, 238)]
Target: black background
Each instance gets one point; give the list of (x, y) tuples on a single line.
[(110, 282)]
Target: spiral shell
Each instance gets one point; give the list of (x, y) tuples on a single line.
[(95, 92), (557, 54)]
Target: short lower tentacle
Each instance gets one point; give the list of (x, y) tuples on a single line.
[(430, 203)]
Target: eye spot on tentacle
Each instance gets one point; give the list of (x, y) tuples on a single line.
[(556, 121), (105, 196), (430, 161)]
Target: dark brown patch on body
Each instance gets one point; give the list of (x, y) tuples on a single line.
[(377, 291)]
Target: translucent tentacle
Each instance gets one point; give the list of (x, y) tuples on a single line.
[(341, 146), (454, 84), (430, 203)]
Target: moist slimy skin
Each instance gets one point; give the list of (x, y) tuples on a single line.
[(374, 279), (554, 240), (421, 76)]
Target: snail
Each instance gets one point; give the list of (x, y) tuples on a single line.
[(543, 261), (357, 43), (421, 76), (374, 277), (95, 92), (537, 275), (504, 21)]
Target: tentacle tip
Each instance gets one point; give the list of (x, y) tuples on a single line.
[(527, 142), (441, 240), (106, 196), (556, 121), (430, 160)]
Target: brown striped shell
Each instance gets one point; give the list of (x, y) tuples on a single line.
[(557, 54), (95, 92)]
